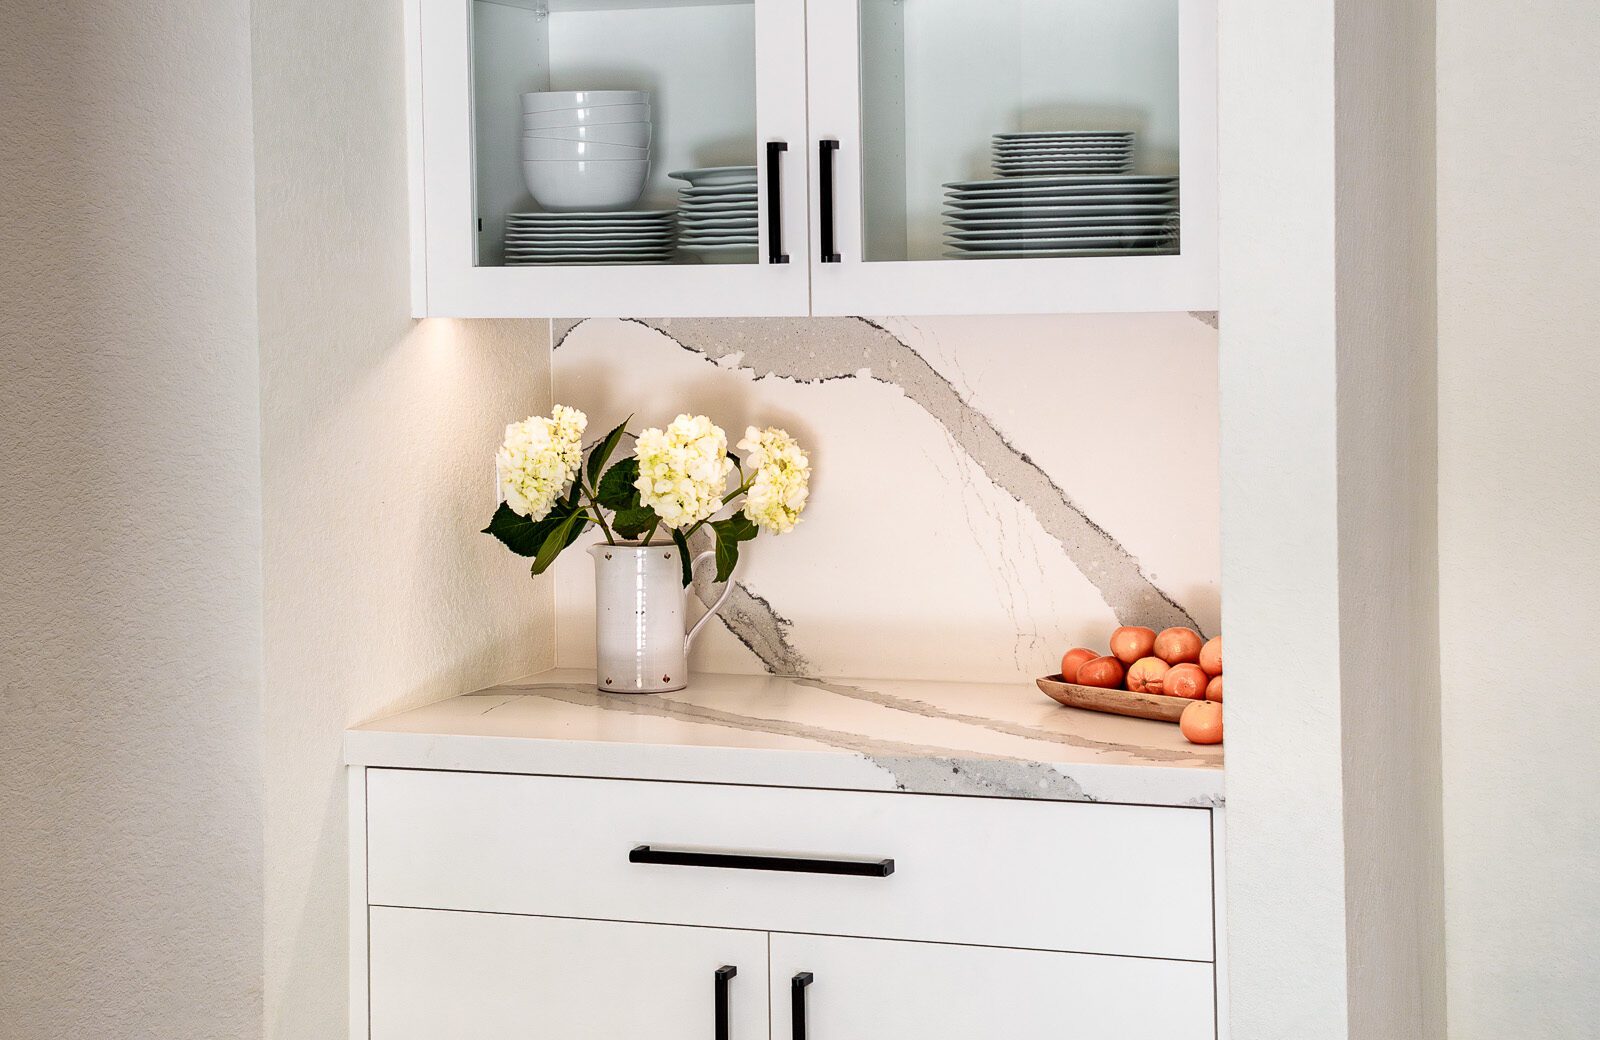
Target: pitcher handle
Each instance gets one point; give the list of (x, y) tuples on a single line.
[(727, 587)]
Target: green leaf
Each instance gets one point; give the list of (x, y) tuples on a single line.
[(602, 451), (631, 523), (729, 533), (616, 490), (565, 532), (520, 534), (684, 555)]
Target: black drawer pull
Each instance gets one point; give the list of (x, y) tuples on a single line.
[(825, 222), (797, 1004), (791, 864), (724, 973), (775, 253)]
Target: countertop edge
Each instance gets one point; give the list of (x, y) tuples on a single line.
[(768, 767)]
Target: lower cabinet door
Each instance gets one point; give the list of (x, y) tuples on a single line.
[(826, 988), (450, 975)]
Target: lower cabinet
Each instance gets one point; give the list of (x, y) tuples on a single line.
[(500, 907), (827, 988), (448, 975)]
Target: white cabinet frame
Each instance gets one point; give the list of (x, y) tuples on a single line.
[(1187, 281), (808, 89), (447, 282)]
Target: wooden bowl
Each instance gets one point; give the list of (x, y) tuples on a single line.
[(1114, 702)]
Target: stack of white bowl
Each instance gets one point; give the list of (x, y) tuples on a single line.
[(586, 149)]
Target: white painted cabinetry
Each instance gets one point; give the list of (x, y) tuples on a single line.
[(855, 115), (440, 975), (853, 988), (494, 905)]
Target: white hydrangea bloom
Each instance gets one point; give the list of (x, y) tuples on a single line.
[(683, 470), (539, 458), (782, 482)]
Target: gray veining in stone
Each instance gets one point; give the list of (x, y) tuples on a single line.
[(993, 740), (821, 349)]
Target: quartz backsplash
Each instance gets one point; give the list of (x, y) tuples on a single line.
[(985, 491)]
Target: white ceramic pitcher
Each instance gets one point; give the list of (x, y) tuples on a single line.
[(639, 609)]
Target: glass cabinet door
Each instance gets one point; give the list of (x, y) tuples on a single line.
[(588, 157), (1013, 155)]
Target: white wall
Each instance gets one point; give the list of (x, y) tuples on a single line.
[(1328, 520), (1519, 496), (377, 443), (130, 800)]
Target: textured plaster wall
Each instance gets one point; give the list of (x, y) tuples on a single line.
[(377, 440), (988, 490), (130, 770), (1519, 493)]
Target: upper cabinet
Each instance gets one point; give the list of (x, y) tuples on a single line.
[(787, 157)]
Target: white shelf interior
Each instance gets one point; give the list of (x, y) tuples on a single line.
[(697, 60), (939, 77)]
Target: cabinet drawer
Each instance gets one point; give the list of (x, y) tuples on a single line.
[(1120, 879)]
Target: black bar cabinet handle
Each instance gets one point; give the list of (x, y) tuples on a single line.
[(797, 1004), (724, 973), (775, 253), (791, 864), (825, 153)]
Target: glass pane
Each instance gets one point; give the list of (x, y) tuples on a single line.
[(583, 111), (1019, 128)]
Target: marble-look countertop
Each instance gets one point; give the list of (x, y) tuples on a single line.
[(996, 739)]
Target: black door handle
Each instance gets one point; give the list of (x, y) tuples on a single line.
[(724, 973), (775, 253), (790, 864), (826, 150), (797, 1004)]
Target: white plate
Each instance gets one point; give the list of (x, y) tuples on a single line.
[(1025, 245), (714, 248), (718, 220), (1023, 170), (1061, 149), (739, 201), (601, 214), (1083, 204), (581, 251), (1006, 213), (1073, 135), (1030, 234), (718, 189), (1074, 181), (1045, 254), (1028, 224), (664, 242), (587, 225), (719, 240), (716, 175), (722, 213), (594, 227), (569, 262)]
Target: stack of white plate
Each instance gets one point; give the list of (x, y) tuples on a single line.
[(586, 149), (1075, 215), (587, 239), (1057, 152), (717, 213)]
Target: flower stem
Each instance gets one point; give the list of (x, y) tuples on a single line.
[(599, 517)]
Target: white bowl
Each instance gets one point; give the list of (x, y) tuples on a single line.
[(535, 148), (586, 116), (546, 100), (635, 134), (586, 184)]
